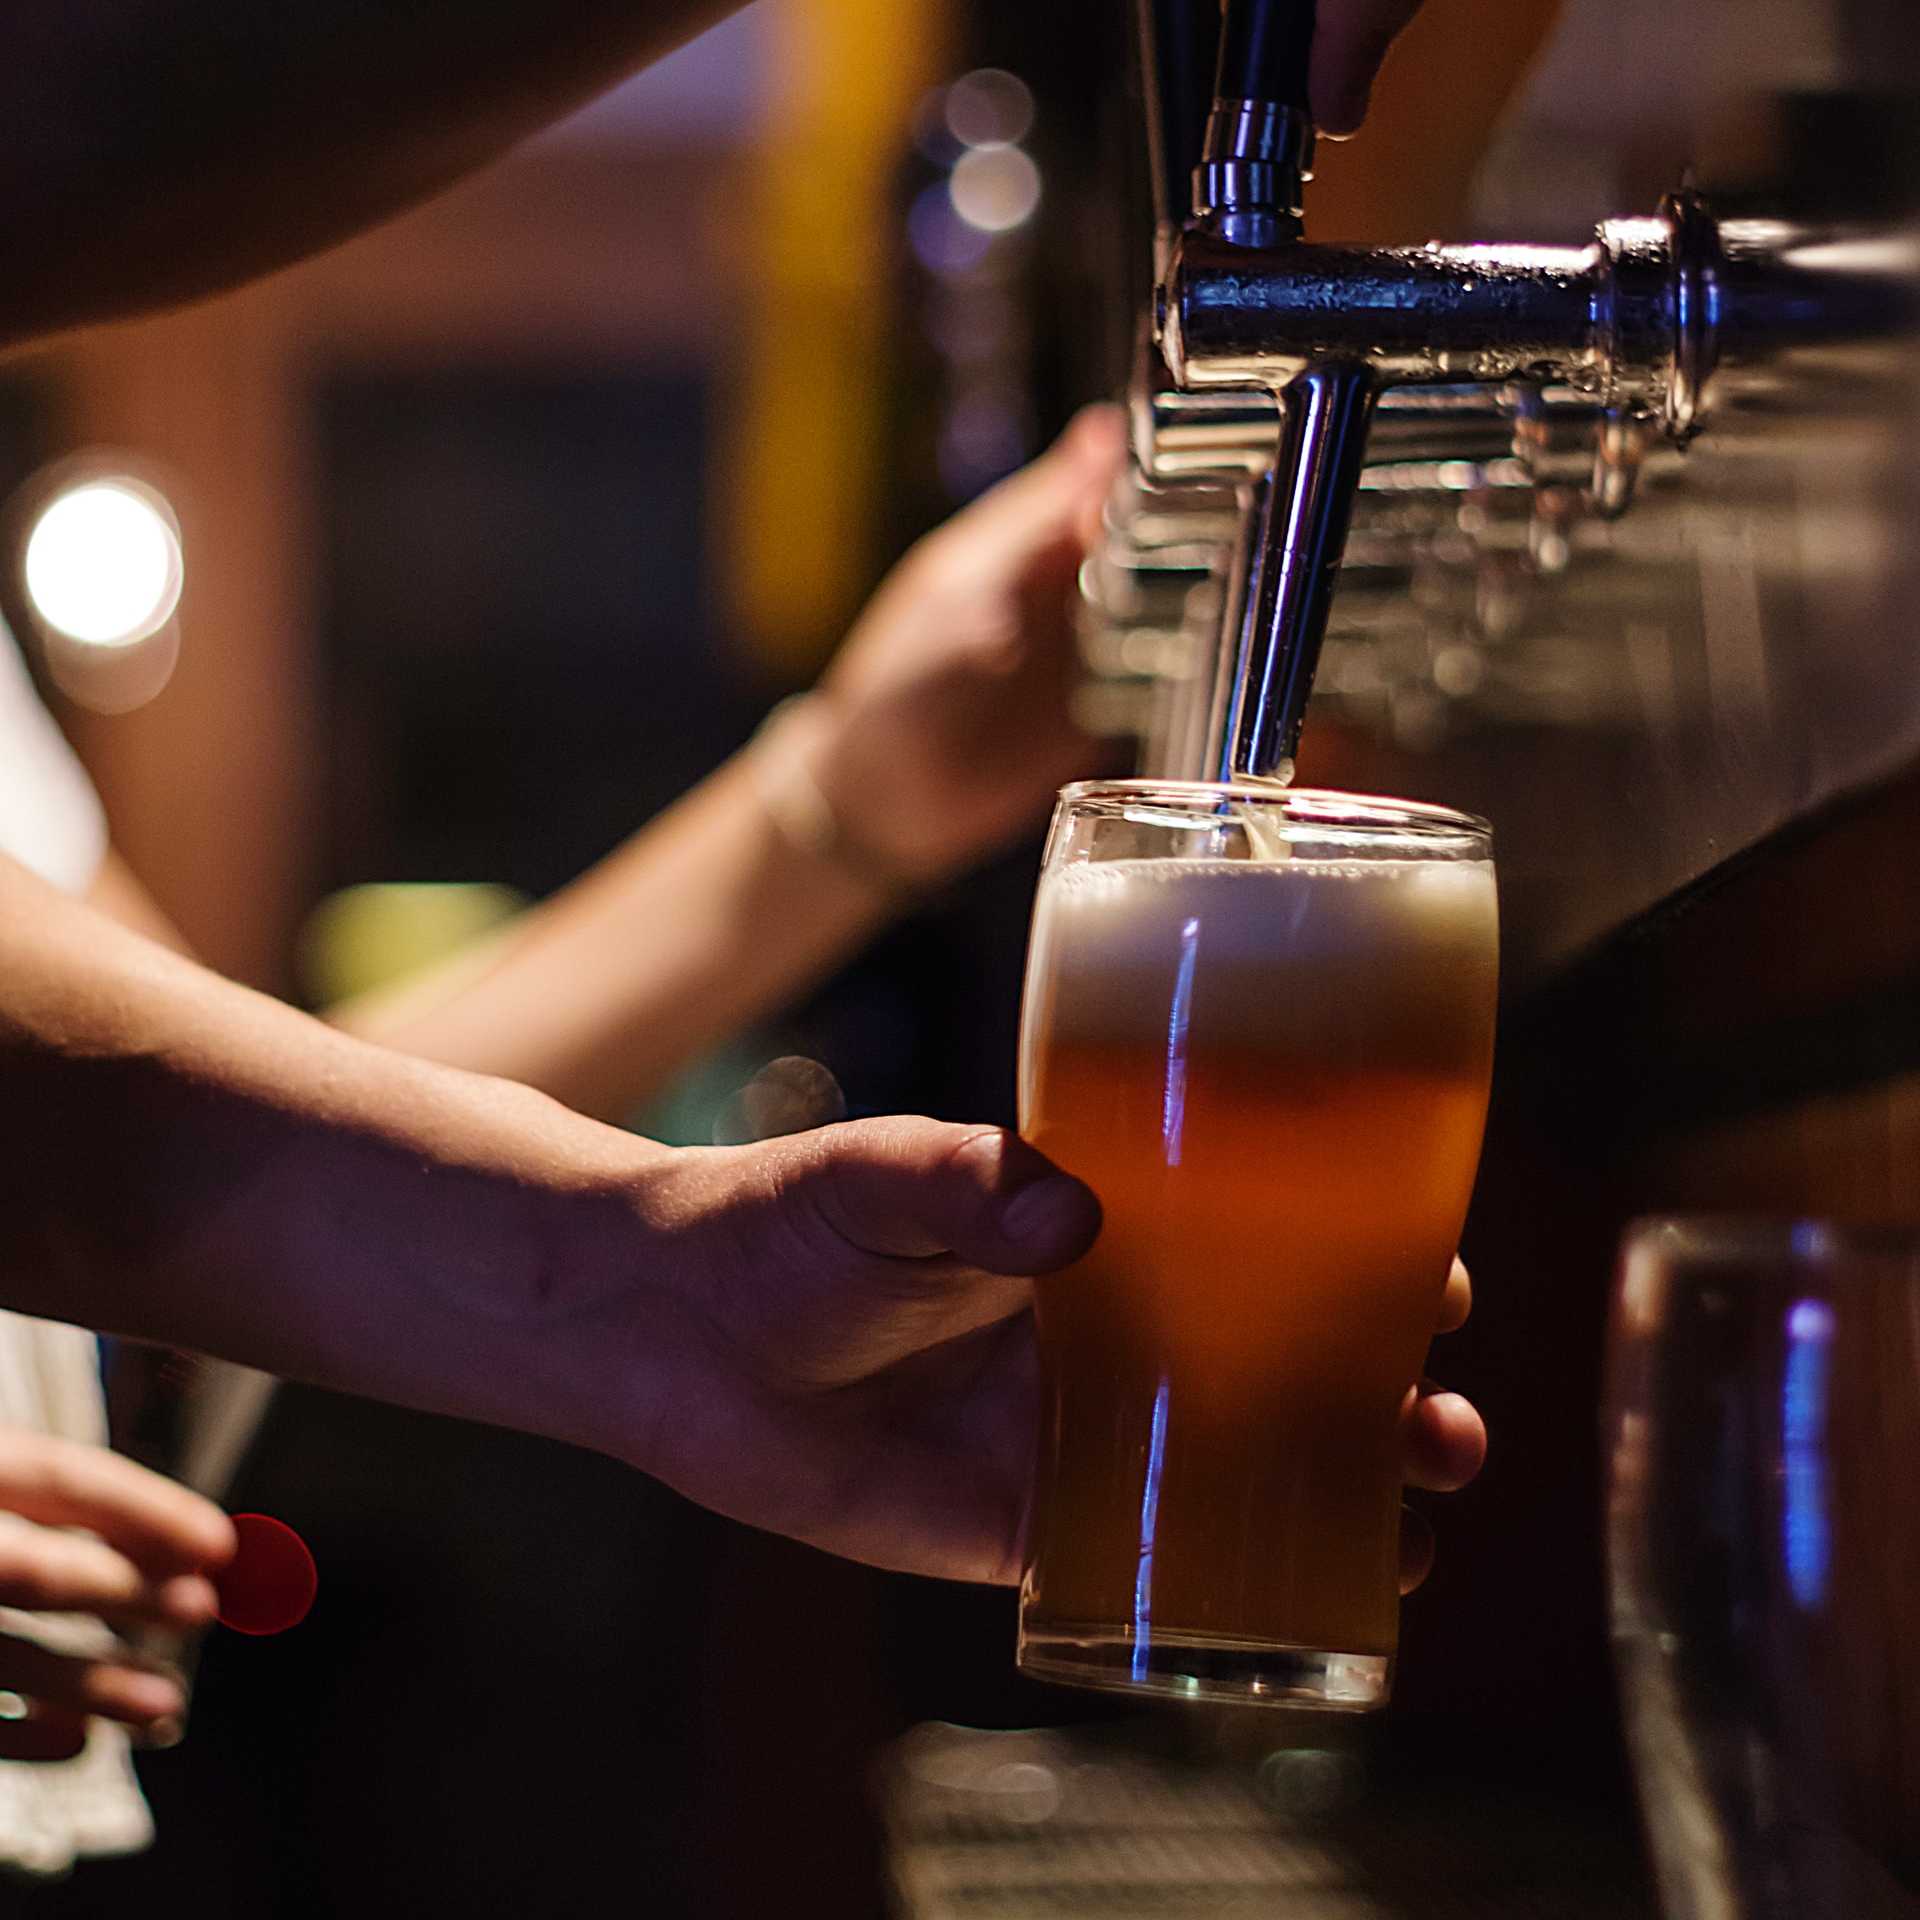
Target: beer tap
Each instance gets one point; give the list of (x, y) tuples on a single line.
[(1248, 192), (1285, 357)]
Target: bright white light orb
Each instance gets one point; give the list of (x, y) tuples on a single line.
[(995, 188), (103, 563)]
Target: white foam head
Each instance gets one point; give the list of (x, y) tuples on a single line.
[(1291, 955)]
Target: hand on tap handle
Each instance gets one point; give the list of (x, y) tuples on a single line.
[(1323, 57), (944, 726), (1351, 39), (1284, 69)]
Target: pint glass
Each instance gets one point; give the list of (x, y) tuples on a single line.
[(1259, 1024)]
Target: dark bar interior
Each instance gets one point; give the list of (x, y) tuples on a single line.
[(510, 520)]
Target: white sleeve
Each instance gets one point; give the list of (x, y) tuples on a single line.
[(51, 821), (50, 817)]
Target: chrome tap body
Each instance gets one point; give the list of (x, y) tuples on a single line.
[(1244, 304)]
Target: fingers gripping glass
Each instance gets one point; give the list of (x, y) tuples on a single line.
[(1260, 1025)]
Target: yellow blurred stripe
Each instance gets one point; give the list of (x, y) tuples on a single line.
[(800, 483)]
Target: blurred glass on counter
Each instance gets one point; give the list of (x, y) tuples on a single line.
[(1762, 1424)]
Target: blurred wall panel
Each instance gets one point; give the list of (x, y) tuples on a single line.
[(207, 787), (805, 463), (517, 615), (578, 254)]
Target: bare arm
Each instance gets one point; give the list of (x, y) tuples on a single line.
[(696, 926), (118, 892), (687, 933), (943, 729), (823, 1335), (157, 150), (675, 942), (184, 1160), (680, 938)]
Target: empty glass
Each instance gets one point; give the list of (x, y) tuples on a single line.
[(1762, 1430)]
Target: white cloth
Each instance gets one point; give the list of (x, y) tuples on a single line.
[(50, 816), (52, 1813)]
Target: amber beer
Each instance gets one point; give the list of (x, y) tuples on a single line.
[(1261, 1029)]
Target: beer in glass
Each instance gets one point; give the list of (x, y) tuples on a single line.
[(1259, 1024)]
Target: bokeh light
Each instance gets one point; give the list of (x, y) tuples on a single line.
[(103, 563), (995, 188), (989, 108), (942, 242)]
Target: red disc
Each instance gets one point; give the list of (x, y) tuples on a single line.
[(270, 1582)]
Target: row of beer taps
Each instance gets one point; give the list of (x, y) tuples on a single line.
[(1297, 404)]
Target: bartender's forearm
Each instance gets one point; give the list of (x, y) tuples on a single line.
[(186, 1161), (706, 920), (156, 150)]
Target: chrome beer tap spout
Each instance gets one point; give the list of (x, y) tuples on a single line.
[(1248, 191)]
